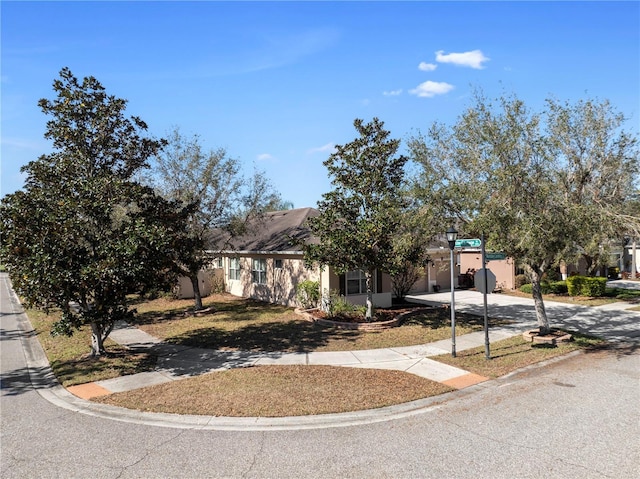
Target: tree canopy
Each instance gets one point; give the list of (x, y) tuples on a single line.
[(541, 186), (360, 217), (81, 235), (210, 187)]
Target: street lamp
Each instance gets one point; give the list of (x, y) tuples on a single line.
[(452, 235)]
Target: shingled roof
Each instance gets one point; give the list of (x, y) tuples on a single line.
[(275, 232)]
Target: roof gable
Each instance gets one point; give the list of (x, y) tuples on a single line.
[(274, 232)]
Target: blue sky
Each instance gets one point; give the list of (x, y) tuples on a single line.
[(279, 83)]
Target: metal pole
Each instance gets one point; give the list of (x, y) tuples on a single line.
[(487, 353), (453, 311)]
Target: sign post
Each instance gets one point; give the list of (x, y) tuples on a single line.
[(487, 353)]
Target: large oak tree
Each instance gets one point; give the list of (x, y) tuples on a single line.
[(541, 186)]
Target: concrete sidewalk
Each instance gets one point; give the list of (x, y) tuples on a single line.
[(179, 362)]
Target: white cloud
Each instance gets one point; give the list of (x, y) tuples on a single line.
[(328, 148), (427, 67), (429, 89), (473, 59), (265, 157), (392, 92)]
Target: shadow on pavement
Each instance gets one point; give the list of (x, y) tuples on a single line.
[(23, 380)]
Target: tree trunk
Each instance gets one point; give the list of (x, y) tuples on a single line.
[(97, 341), (541, 313), (197, 298), (369, 276), (590, 264), (633, 260)]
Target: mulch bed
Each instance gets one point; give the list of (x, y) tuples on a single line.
[(384, 318)]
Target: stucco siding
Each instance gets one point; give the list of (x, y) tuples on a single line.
[(280, 283), (504, 270)]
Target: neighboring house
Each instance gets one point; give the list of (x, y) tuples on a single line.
[(466, 262), (267, 263)]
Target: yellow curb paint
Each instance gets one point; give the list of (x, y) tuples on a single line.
[(88, 391), (465, 381)]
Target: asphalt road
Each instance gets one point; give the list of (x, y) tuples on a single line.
[(578, 417)]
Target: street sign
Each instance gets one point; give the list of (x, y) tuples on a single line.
[(468, 243), (478, 279), (495, 256)]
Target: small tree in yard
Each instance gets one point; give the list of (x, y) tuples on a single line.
[(538, 185), (360, 217), (210, 187), (82, 234)]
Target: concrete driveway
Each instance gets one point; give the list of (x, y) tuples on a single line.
[(613, 322)]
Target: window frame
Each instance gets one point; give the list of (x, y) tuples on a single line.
[(361, 280), (234, 273), (259, 270)]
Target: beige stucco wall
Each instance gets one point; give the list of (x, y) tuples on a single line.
[(184, 288), (281, 284), (437, 273), (503, 269), (331, 282)]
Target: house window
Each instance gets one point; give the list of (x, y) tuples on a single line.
[(259, 271), (216, 263), (278, 264), (234, 268), (356, 282)]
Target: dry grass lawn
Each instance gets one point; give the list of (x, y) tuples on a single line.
[(70, 359), (514, 353), (277, 391), (241, 324)]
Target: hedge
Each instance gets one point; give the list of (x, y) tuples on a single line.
[(587, 286), (547, 287)]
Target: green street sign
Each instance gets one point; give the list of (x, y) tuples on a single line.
[(468, 243), (495, 256)]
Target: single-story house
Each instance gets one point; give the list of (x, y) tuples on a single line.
[(267, 263)]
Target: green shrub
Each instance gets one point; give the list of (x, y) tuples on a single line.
[(587, 286), (308, 294), (594, 287), (527, 288), (557, 287), (336, 305), (330, 300), (552, 287), (574, 285)]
